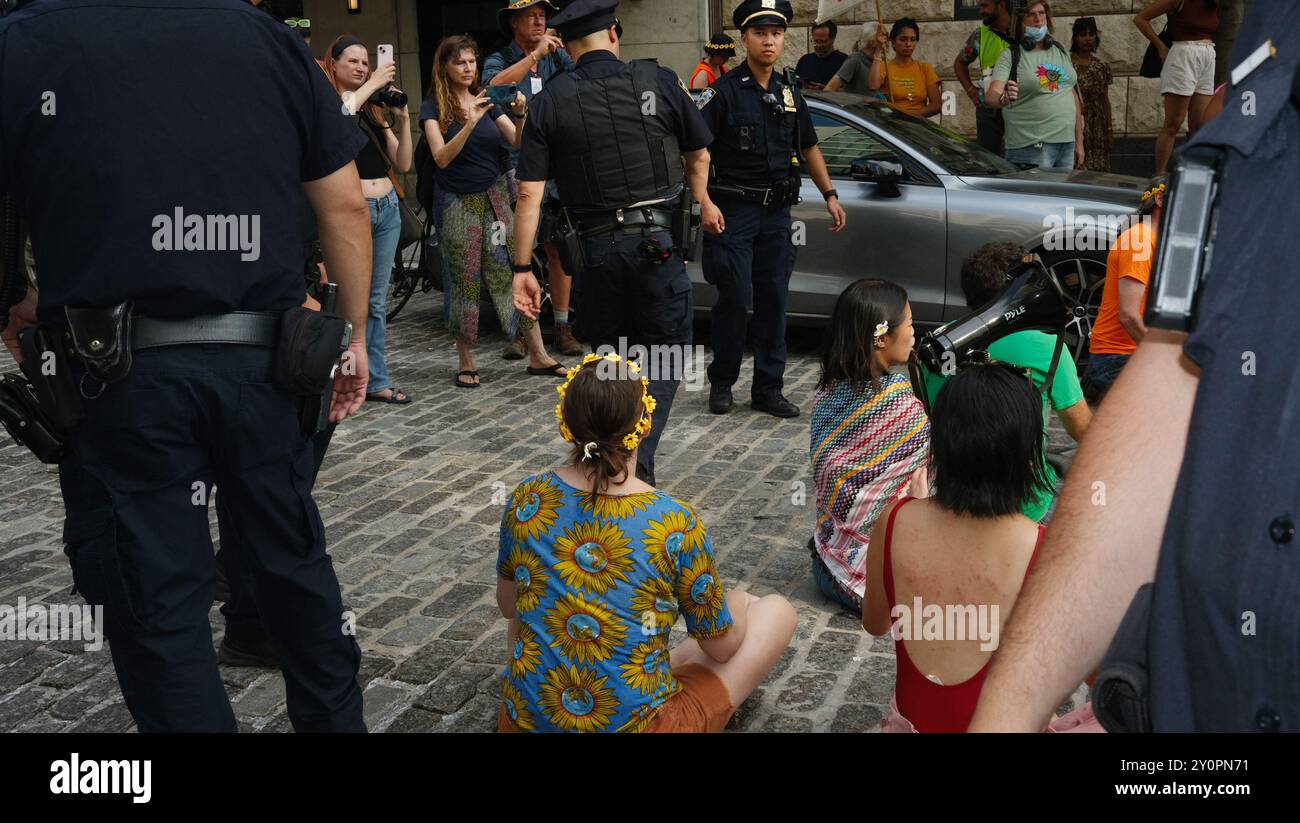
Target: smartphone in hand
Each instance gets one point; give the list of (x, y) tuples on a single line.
[(385, 54), (504, 94)]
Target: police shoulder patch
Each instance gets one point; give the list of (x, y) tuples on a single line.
[(705, 96)]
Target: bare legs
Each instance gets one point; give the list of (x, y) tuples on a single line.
[(768, 624)]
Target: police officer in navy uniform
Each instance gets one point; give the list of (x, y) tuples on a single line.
[(763, 139), (195, 221), (614, 136)]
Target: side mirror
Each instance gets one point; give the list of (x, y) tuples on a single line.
[(884, 173)]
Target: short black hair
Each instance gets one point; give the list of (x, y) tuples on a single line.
[(848, 350), (984, 273), (905, 23), (1082, 25), (826, 24), (987, 441)]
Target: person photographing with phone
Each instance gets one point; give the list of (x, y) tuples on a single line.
[(373, 97), (465, 129)]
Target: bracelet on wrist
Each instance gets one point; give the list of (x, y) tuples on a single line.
[(829, 193), (521, 268)]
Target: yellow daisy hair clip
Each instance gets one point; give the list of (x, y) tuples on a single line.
[(1149, 193), (642, 428)]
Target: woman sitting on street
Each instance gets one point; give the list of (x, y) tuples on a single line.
[(869, 436), (594, 569)]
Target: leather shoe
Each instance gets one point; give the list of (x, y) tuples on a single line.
[(720, 399), (776, 405)]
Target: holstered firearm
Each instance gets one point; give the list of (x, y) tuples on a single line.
[(569, 243), (314, 411), (686, 226)]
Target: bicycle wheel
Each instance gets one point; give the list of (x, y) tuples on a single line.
[(400, 290)]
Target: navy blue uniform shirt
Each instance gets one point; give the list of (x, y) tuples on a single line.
[(535, 159), (737, 108), (157, 149), (1225, 614)]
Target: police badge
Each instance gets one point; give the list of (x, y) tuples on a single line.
[(787, 97)]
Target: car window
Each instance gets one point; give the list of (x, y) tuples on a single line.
[(957, 154), (842, 143)]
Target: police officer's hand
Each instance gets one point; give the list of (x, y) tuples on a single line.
[(528, 294), (838, 217), (350, 382), (711, 218), (21, 316)]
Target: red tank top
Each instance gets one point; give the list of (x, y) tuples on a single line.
[(1194, 21), (929, 706)]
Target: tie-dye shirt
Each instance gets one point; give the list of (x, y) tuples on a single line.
[(599, 582)]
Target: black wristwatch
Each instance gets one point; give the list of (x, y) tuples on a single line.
[(828, 194), (520, 268)]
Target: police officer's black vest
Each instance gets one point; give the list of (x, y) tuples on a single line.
[(606, 153)]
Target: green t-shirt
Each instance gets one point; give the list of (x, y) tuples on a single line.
[(1030, 350), (1044, 112)]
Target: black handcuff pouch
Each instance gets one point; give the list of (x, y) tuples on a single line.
[(101, 339)]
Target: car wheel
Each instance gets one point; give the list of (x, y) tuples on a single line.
[(1082, 277)]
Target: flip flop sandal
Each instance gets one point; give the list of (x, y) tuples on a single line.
[(558, 370), (461, 384), (396, 397)]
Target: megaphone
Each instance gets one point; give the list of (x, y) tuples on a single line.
[(1032, 300)]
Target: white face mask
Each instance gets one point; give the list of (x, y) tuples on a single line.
[(1035, 33)]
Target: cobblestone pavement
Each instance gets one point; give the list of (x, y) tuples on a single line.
[(412, 496)]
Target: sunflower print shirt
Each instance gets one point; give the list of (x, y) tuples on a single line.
[(599, 582)]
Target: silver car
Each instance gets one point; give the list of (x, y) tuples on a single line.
[(920, 199)]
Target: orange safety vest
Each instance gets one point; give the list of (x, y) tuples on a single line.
[(708, 71)]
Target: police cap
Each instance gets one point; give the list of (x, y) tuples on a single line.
[(762, 13), (582, 17)]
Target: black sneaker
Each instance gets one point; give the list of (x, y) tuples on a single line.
[(260, 654), (776, 405), (720, 399)]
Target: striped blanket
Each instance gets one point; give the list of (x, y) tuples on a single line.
[(865, 445)]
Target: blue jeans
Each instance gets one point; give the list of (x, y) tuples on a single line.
[(386, 230), (831, 588), (1045, 155)]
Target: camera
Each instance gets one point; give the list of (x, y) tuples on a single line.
[(390, 96)]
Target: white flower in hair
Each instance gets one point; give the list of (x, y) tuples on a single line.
[(882, 329)]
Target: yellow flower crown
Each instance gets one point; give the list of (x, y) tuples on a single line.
[(1149, 193), (633, 438)]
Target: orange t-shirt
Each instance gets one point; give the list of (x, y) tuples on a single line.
[(1129, 257), (909, 86)]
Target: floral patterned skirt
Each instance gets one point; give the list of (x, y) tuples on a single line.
[(476, 235)]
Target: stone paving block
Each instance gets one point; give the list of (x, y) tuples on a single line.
[(23, 706), (785, 723), (458, 598), (475, 623), (112, 718), (387, 611), (858, 717), (263, 699), (415, 720), (71, 672), (27, 668), (455, 687), (806, 692)]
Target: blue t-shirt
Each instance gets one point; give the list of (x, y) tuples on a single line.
[(815, 69), (600, 580), (478, 165)]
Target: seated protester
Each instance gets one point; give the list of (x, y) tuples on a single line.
[(983, 277), (817, 67), (717, 52), (594, 569), (909, 85), (869, 434), (968, 544), (1119, 326)]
